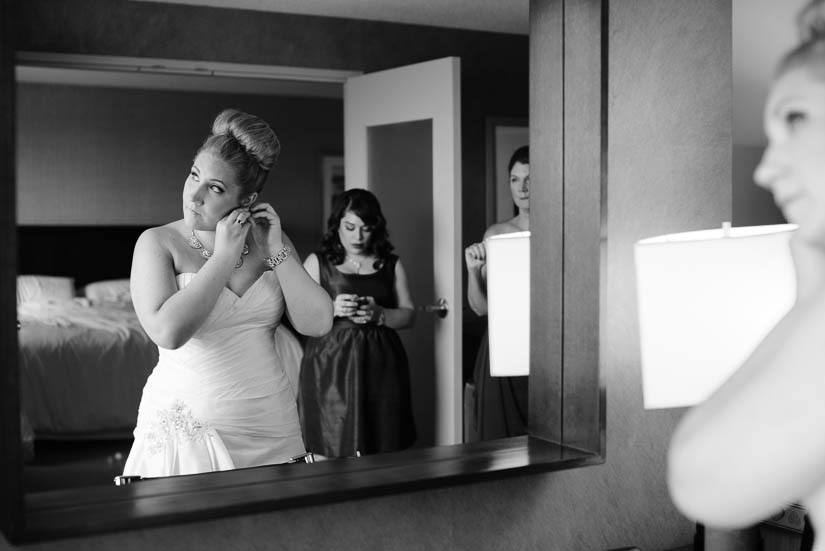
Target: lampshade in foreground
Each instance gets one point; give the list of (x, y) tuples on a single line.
[(508, 303), (706, 299)]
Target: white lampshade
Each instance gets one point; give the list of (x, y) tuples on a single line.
[(706, 300), (508, 303)]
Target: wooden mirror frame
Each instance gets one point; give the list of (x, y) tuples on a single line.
[(568, 136)]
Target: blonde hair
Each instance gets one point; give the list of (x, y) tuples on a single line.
[(810, 52), (247, 144)]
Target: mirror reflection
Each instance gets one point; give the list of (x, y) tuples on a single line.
[(496, 406), (97, 166), (210, 290)]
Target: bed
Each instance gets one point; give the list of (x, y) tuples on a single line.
[(83, 356)]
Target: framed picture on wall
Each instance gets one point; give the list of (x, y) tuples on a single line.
[(504, 136), (332, 174)]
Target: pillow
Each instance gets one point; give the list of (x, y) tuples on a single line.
[(37, 288), (112, 290)]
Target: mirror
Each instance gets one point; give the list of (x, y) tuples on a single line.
[(99, 160), (100, 153), (56, 514)]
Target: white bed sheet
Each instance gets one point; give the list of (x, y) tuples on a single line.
[(83, 365)]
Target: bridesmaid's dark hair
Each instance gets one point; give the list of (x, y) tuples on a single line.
[(365, 205), (520, 155)]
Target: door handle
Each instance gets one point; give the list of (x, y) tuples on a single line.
[(439, 308)]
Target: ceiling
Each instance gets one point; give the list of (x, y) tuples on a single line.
[(762, 31), (502, 16)]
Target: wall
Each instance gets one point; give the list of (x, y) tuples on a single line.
[(93, 155), (752, 205), (494, 66), (756, 55), (400, 167), (669, 170)]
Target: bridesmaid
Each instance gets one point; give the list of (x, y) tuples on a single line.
[(355, 380)]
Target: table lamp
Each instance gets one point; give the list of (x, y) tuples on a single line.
[(508, 303), (706, 299)]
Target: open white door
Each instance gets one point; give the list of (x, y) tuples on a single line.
[(402, 141)]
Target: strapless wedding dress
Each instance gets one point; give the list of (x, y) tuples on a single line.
[(223, 400)]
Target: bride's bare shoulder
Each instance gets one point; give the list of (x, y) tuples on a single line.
[(165, 236)]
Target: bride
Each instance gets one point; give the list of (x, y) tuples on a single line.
[(210, 290)]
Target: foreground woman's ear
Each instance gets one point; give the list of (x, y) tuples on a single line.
[(249, 200)]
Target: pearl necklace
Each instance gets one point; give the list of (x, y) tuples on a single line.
[(355, 264), (195, 243)]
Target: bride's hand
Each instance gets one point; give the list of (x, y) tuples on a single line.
[(266, 228), (230, 234)]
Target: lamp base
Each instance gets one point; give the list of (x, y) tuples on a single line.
[(748, 539)]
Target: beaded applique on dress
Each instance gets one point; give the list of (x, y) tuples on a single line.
[(174, 424)]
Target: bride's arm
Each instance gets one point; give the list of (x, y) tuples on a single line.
[(308, 306), (756, 444), (170, 317)]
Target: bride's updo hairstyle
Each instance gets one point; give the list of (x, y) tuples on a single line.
[(810, 53), (247, 144)]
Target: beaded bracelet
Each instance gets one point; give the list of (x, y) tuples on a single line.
[(282, 255)]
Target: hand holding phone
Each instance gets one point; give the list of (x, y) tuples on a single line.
[(366, 310), (345, 305)]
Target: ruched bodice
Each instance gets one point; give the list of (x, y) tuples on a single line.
[(260, 307), (224, 388)]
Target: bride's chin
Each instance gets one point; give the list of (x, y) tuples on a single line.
[(193, 223)]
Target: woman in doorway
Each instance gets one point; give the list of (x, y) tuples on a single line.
[(210, 290), (355, 380), (755, 445), (500, 404)]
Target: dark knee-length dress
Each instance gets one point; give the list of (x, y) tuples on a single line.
[(355, 380), (499, 404)]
